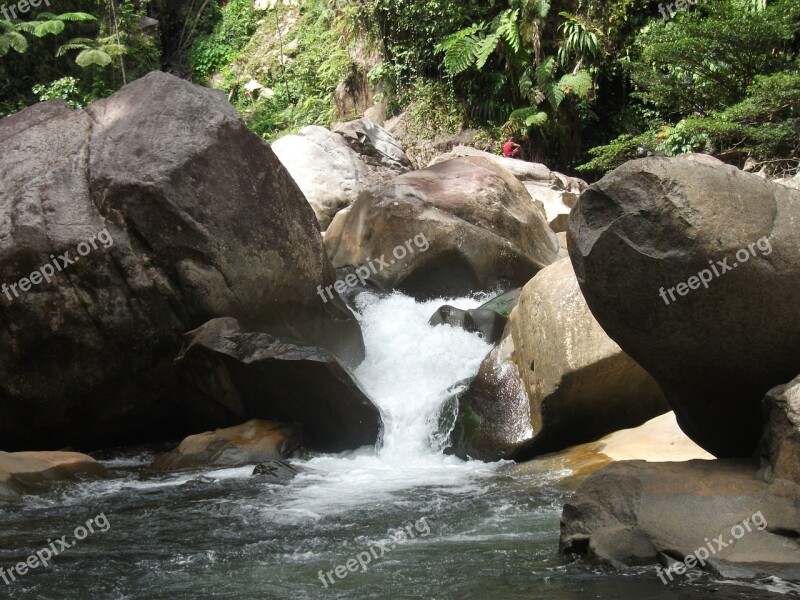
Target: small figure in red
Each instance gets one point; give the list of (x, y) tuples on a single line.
[(511, 149)]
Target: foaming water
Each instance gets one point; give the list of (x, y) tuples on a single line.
[(411, 369), (493, 527)]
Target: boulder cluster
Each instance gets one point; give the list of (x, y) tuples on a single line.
[(219, 310)]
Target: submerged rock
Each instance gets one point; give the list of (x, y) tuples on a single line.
[(479, 227), (171, 213), (236, 375), (23, 473), (275, 471), (488, 320), (694, 270), (577, 384), (252, 442), (638, 513)]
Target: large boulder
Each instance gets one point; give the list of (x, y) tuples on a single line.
[(24, 473), (494, 413), (236, 375), (328, 171), (780, 445), (478, 223), (709, 514), (555, 192), (578, 384), (694, 270), (170, 212), (253, 442)]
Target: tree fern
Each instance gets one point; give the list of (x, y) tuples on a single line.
[(579, 84), (100, 52), (51, 24), (11, 38), (460, 48)]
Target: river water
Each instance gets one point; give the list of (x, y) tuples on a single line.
[(470, 529)]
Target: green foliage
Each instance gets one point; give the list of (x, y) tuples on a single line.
[(719, 78), (432, 109), (45, 24), (50, 24), (66, 88), (302, 87), (100, 52), (705, 59), (765, 125), (409, 32), (580, 40), (11, 38), (626, 147), (212, 52), (97, 31)]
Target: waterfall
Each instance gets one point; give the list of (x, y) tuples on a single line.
[(409, 371)]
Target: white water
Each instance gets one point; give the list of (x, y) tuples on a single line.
[(409, 371)]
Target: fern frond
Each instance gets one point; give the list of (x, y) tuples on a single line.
[(579, 84), (544, 73), (12, 41), (93, 56), (113, 49), (485, 49), (529, 116), (461, 55), (44, 28), (508, 29), (74, 16), (72, 45), (555, 95), (452, 39)]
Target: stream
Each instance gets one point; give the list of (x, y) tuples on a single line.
[(470, 529)]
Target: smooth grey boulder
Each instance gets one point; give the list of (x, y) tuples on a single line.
[(328, 171), (480, 227), (642, 238), (557, 193), (578, 384), (191, 217), (639, 513), (494, 413)]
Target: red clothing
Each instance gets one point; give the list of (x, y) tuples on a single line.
[(510, 150)]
